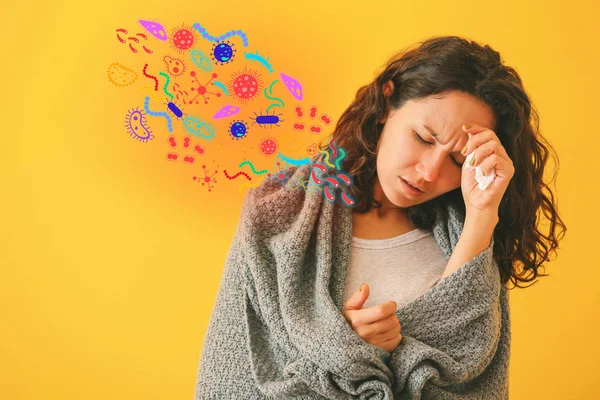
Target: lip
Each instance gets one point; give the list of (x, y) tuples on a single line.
[(409, 189)]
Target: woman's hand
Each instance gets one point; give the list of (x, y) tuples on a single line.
[(377, 325), (489, 153)]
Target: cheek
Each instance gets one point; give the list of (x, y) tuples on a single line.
[(454, 178)]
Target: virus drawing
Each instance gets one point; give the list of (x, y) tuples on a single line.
[(283, 175), (223, 52), (207, 179), (238, 130), (245, 85), (183, 38), (268, 146), (201, 89)]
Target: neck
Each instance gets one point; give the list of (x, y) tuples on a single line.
[(387, 211)]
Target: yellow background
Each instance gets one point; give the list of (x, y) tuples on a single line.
[(111, 256)]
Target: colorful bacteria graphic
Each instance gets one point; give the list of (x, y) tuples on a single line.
[(136, 125), (200, 59), (187, 158), (313, 111), (208, 37), (238, 130), (226, 111), (132, 40), (257, 57), (292, 85), (120, 75), (266, 120), (154, 28), (198, 128), (206, 179), (268, 146), (183, 39), (175, 66), (223, 52), (150, 76), (175, 109), (201, 89), (262, 171), (157, 114), (283, 175), (245, 85), (241, 173)]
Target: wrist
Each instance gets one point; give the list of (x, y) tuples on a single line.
[(479, 228), (481, 219)]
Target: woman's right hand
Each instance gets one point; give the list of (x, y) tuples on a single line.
[(377, 325)]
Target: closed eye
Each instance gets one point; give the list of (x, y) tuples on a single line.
[(431, 144)]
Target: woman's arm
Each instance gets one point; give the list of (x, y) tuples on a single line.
[(475, 238)]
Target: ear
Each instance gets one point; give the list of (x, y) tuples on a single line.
[(387, 89)]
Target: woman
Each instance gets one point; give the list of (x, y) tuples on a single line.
[(438, 246)]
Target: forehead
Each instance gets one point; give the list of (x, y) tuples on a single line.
[(446, 113)]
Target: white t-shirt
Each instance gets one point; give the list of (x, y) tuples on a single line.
[(401, 268)]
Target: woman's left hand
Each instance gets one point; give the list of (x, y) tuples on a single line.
[(489, 153)]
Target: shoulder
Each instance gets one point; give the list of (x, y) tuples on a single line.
[(279, 199)]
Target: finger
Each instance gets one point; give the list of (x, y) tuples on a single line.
[(484, 150), (383, 326), (377, 312), (393, 341), (389, 334), (474, 128), (476, 140), (503, 167)]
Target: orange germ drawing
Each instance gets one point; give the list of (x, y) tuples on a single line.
[(175, 66), (245, 85), (183, 38)]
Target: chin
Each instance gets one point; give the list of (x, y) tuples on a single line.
[(399, 200)]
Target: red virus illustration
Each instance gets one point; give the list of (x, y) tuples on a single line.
[(245, 85), (207, 179), (201, 89), (268, 146), (183, 38), (175, 66)]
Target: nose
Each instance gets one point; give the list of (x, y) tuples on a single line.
[(429, 167)]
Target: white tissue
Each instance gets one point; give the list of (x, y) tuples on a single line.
[(483, 181)]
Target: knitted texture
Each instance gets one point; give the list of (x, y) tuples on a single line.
[(277, 328)]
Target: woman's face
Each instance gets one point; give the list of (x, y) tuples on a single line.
[(436, 167)]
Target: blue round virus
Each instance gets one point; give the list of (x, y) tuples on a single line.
[(223, 52), (238, 130)]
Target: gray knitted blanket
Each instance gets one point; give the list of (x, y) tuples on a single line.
[(277, 329)]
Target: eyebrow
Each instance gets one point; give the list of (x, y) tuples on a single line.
[(431, 132), (435, 135)]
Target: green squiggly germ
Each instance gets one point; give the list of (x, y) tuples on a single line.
[(166, 84)]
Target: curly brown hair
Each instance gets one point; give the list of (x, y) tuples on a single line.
[(438, 65)]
